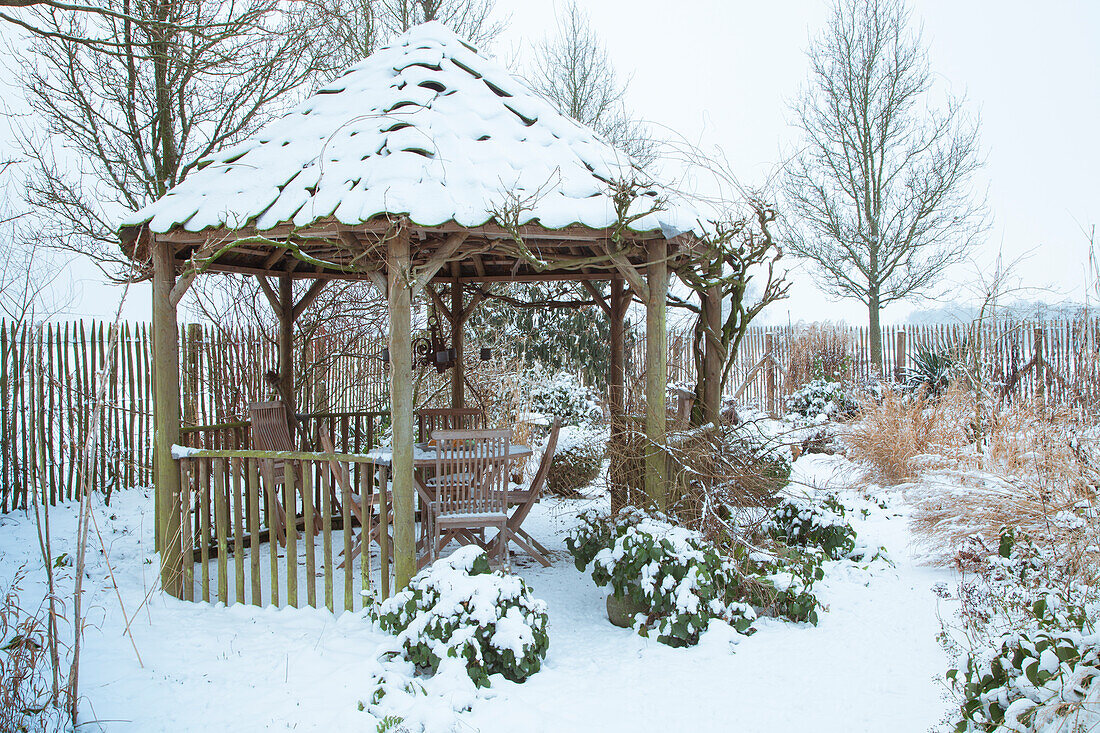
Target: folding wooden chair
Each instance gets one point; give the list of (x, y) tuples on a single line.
[(430, 419), (471, 488), (525, 499), (271, 432)]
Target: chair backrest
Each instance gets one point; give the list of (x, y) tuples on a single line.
[(430, 419), (547, 458), (471, 471), (270, 430)]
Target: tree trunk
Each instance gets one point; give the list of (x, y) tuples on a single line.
[(714, 356), (875, 332)]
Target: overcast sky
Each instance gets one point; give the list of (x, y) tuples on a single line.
[(721, 73)]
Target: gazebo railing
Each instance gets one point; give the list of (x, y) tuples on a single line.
[(229, 529)]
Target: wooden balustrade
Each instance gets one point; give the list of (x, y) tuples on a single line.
[(231, 509)]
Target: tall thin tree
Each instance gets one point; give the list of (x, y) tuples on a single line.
[(881, 192)]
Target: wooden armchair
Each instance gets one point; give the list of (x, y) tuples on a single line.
[(525, 499), (471, 488), (431, 419)]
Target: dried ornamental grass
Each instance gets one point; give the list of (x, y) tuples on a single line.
[(820, 351)]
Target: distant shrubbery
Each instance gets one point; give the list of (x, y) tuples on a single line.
[(580, 453)]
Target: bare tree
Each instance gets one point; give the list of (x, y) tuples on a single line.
[(350, 30), (739, 252), (880, 193), (167, 83), (574, 71)]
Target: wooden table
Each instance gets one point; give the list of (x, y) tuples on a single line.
[(424, 456)]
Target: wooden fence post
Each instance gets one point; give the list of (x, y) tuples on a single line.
[(1040, 365), (769, 373), (901, 355)]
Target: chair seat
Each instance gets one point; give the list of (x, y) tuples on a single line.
[(450, 479), (466, 519)]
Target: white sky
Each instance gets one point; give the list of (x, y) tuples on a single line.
[(720, 73)]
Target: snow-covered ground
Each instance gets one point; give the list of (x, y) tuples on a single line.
[(872, 663)]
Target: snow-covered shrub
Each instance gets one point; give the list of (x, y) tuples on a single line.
[(1025, 639), (822, 400), (679, 579), (576, 464), (562, 395), (457, 608), (801, 522), (1032, 681)]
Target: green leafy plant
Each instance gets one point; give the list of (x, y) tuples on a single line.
[(803, 523), (457, 608)]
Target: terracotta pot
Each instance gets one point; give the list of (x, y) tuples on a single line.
[(621, 611)]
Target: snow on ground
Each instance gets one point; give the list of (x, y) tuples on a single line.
[(872, 663)]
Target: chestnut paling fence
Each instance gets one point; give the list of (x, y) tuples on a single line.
[(50, 373)]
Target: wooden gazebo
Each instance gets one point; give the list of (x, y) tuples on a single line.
[(426, 165)]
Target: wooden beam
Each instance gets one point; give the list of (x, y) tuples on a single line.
[(166, 401), (269, 291), (656, 374), (631, 274), (616, 378), (474, 303), (310, 296), (597, 296), (181, 287), (401, 406), (439, 304), (438, 260)]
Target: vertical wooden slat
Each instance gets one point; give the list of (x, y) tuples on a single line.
[(221, 528), (204, 526), (307, 515), (384, 529), (366, 490), (345, 509), (326, 534), (237, 473), (252, 487), (291, 503), (187, 544), (272, 542)]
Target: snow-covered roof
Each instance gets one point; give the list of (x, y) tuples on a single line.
[(426, 127)]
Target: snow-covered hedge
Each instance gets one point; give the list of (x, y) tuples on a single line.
[(679, 579), (576, 464), (562, 395), (457, 608), (822, 400), (804, 523)]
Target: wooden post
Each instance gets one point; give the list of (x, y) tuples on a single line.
[(191, 376), (901, 356), (769, 372), (166, 431), (286, 349), (458, 343), (401, 406), (616, 377), (713, 356), (656, 373)]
